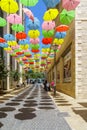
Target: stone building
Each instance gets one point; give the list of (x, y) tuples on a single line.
[(71, 60)]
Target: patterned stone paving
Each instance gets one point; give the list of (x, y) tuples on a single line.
[(32, 109)]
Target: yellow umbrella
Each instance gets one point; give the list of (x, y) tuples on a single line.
[(9, 6), (34, 33), (50, 14), (58, 41), (12, 43), (24, 47)]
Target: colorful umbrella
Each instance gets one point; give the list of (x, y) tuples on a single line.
[(29, 2), (9, 6), (34, 33), (2, 22), (17, 27), (34, 41), (35, 50), (34, 46), (70, 4), (48, 25), (60, 35), (47, 41), (9, 37), (32, 25), (12, 43), (15, 47), (2, 40), (62, 28), (4, 45), (66, 17), (14, 19), (49, 33), (21, 35), (51, 3), (24, 47), (23, 42), (50, 14), (28, 13), (58, 41)]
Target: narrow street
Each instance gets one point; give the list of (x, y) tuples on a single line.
[(32, 109)]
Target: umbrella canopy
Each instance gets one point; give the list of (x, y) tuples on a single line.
[(4, 45), (49, 33), (9, 6), (2, 22), (58, 41), (48, 25), (50, 14), (35, 46), (60, 35), (34, 41), (29, 2), (70, 4), (32, 25), (51, 3), (21, 35), (14, 19), (66, 17), (12, 43), (28, 13), (2, 40), (24, 47), (35, 50), (47, 41), (15, 47), (23, 42), (9, 37), (34, 33), (62, 28), (17, 27)]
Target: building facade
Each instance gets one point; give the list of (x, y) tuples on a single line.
[(71, 63)]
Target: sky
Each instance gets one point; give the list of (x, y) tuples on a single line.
[(38, 11)]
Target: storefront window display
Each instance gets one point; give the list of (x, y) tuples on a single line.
[(67, 67)]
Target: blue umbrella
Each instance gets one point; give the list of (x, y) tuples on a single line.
[(4, 45), (23, 42), (60, 35), (46, 46), (51, 3), (9, 37), (32, 25)]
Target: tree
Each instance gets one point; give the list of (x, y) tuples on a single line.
[(3, 71)]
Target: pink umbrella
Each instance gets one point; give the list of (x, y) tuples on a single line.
[(15, 47), (70, 4), (48, 25), (14, 19), (28, 13), (34, 41)]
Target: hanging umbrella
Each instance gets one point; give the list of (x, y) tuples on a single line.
[(70, 4), (9, 37), (34, 33), (50, 14), (21, 35), (9, 6), (4, 45), (34, 41), (60, 35), (12, 43), (66, 17), (15, 47), (35, 50), (23, 42), (2, 22), (58, 41), (24, 47), (17, 27), (2, 40), (29, 2), (14, 19), (51, 3), (49, 33), (28, 13), (48, 25), (47, 41), (34, 46), (32, 25), (62, 28)]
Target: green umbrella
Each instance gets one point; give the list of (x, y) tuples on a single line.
[(29, 2), (2, 22), (18, 50), (49, 33), (17, 27), (34, 46), (66, 17)]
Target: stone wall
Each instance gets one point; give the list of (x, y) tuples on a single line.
[(81, 49)]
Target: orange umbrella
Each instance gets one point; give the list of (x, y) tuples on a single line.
[(62, 28)]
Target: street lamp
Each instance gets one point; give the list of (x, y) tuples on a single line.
[(54, 47)]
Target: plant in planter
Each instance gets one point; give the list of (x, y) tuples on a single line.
[(3, 72)]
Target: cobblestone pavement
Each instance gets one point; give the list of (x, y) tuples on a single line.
[(32, 109)]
